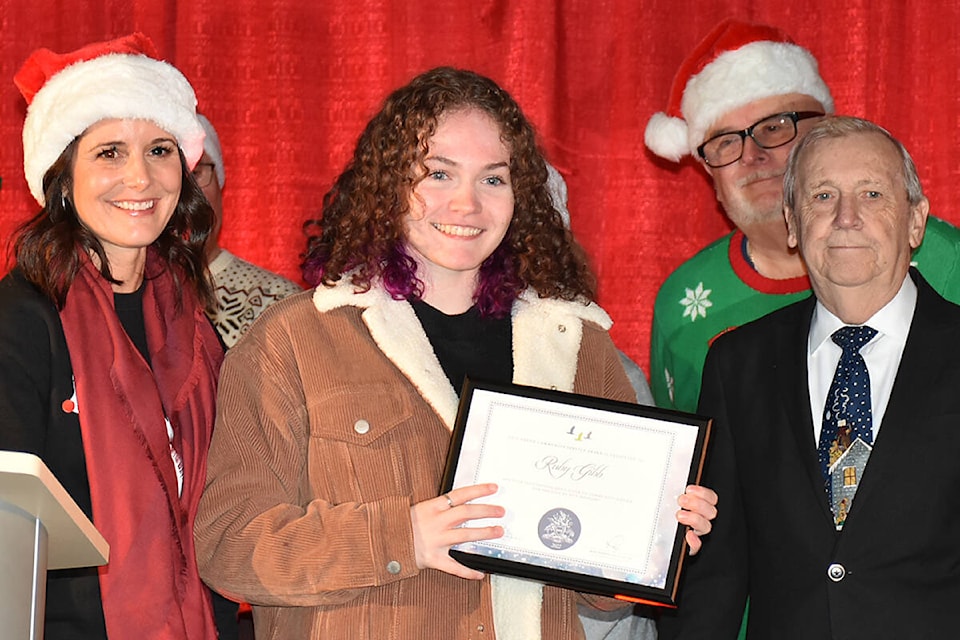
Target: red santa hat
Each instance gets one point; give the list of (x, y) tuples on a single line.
[(121, 78), (737, 63)]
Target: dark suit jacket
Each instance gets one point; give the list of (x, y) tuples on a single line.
[(898, 556)]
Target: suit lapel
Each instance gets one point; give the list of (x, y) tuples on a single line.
[(794, 389), (923, 352)]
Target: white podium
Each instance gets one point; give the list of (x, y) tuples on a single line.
[(41, 528)]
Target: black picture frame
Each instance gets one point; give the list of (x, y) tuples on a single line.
[(683, 435)]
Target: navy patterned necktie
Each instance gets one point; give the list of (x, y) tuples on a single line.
[(847, 417)]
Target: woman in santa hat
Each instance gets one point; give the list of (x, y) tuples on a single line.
[(108, 365)]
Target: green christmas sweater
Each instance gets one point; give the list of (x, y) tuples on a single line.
[(717, 290)]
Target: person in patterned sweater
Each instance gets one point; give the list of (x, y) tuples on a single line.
[(738, 104), (243, 289)]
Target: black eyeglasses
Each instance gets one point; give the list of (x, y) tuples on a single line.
[(203, 174), (769, 133)]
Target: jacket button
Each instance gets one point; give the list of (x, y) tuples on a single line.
[(361, 426), (480, 628), (562, 328), (393, 567), (836, 572)]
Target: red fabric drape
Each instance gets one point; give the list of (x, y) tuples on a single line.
[(290, 83)]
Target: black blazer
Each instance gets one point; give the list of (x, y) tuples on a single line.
[(896, 564)]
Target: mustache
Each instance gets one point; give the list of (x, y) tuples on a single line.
[(759, 175)]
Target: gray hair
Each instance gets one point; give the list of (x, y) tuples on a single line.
[(832, 127)]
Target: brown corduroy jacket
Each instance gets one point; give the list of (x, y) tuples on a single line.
[(334, 418)]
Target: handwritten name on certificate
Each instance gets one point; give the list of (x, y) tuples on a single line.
[(587, 491)]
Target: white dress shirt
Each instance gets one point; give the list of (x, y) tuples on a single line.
[(882, 354)]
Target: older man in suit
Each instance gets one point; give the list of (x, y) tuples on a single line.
[(836, 466)]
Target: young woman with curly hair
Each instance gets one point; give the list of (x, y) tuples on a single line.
[(363, 213), (440, 255)]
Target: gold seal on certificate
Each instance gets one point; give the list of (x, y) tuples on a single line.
[(589, 486)]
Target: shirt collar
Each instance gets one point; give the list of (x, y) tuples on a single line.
[(892, 320)]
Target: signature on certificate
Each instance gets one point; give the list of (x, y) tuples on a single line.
[(569, 468)]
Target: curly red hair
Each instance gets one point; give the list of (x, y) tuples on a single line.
[(361, 229)]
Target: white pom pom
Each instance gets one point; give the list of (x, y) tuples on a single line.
[(667, 136)]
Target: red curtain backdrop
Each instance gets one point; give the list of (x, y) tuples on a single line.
[(290, 83)]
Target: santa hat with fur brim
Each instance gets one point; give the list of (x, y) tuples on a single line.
[(122, 78), (737, 63)]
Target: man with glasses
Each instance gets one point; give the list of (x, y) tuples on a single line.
[(243, 289), (738, 104)]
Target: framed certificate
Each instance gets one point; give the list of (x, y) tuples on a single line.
[(589, 487)]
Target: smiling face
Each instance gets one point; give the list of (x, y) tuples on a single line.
[(126, 185), (460, 212), (852, 219), (751, 189)]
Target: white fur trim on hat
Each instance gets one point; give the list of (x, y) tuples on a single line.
[(752, 72), (109, 86), (211, 146)]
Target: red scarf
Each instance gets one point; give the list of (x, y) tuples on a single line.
[(151, 588)]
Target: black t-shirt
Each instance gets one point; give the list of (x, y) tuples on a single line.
[(129, 308), (469, 345)]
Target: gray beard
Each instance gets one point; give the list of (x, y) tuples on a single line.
[(747, 216)]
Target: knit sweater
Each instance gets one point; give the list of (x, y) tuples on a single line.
[(243, 291)]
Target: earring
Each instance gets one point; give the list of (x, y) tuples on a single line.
[(63, 201)]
